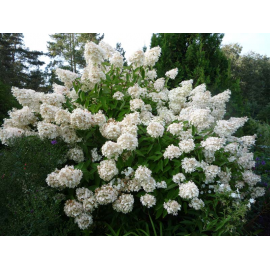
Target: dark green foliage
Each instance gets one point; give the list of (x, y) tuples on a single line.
[(27, 205), (253, 72), (198, 57), (7, 101)]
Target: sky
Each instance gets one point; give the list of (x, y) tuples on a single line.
[(259, 43)]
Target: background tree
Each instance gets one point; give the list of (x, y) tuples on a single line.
[(253, 71), (19, 67), (67, 49)]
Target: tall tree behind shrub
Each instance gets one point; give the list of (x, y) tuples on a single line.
[(253, 71)]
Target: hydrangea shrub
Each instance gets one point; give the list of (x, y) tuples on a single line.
[(133, 139)]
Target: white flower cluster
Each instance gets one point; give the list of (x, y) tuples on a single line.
[(66, 177), (172, 207), (188, 190), (148, 200), (124, 203), (107, 169), (76, 154)]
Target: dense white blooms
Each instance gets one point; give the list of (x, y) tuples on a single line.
[(81, 119), (84, 221), (161, 184), (47, 130), (69, 135), (137, 58), (251, 178), (124, 203), (172, 207), (172, 73), (135, 91), (106, 194), (188, 190), (127, 141), (111, 150), (187, 146), (117, 60), (179, 178), (60, 89), (151, 56), (73, 208), (151, 74), (175, 128), (189, 164), (143, 174), (90, 204), (93, 53), (111, 130), (48, 112), (149, 185), (69, 177), (109, 50), (155, 129), (66, 177), (8, 133), (136, 104), (107, 169), (83, 193), (53, 99), (148, 200), (66, 76), (196, 203), (62, 117), (76, 154), (225, 128), (172, 152), (211, 172), (118, 95), (257, 192), (159, 84), (213, 143)]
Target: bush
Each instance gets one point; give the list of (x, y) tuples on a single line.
[(143, 152), (28, 205)]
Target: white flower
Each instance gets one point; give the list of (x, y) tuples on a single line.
[(172, 152), (118, 95), (107, 169), (159, 84), (73, 208), (172, 207), (76, 154), (188, 190), (148, 200), (151, 56), (189, 164), (84, 221), (178, 178), (155, 129), (187, 146), (111, 150), (124, 203), (172, 73), (127, 141), (196, 203)]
